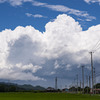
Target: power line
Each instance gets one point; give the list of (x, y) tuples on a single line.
[(97, 49), (97, 74), (96, 46)]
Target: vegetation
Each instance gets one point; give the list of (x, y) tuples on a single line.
[(10, 87), (9, 91), (46, 96), (97, 85)]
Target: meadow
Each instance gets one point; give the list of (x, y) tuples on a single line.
[(47, 96)]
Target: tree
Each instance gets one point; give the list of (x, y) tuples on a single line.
[(2, 88), (86, 89), (12, 88), (72, 89), (97, 86)]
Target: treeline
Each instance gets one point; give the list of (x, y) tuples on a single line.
[(86, 89), (10, 87), (74, 89), (97, 86)]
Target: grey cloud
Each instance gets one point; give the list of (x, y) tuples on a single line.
[(23, 51)]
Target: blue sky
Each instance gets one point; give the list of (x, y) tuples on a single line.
[(13, 16), (42, 39)]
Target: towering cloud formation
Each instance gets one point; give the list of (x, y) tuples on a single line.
[(25, 51)]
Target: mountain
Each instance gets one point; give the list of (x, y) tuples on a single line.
[(26, 87), (11, 87), (39, 88)]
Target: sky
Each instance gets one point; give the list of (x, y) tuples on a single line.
[(44, 39)]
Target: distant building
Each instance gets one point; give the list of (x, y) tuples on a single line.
[(65, 90), (50, 89), (97, 91)]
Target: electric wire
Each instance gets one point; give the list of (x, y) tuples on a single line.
[(97, 46)]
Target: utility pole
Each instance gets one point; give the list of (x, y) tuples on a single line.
[(80, 86), (94, 81), (87, 83), (65, 86), (56, 83), (61, 87), (83, 78), (74, 85), (77, 82), (90, 82), (91, 53)]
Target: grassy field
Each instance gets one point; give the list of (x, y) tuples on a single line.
[(46, 96)]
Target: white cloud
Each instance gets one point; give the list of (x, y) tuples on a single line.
[(30, 67), (15, 2), (52, 73), (92, 1), (56, 65), (60, 8), (36, 3), (9, 74), (65, 9), (2, 1), (24, 51), (36, 15), (68, 67), (9, 38), (87, 1), (28, 14)]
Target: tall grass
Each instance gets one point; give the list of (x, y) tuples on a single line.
[(46, 96)]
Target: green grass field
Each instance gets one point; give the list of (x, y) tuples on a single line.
[(46, 96)]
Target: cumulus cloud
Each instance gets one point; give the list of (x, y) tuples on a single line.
[(8, 74), (14, 50), (35, 16), (59, 8), (27, 54)]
